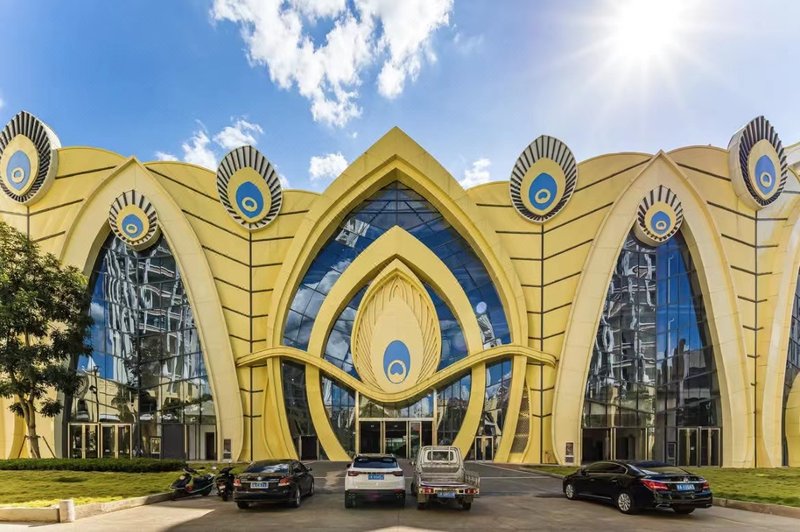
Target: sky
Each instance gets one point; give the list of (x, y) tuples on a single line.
[(313, 83)]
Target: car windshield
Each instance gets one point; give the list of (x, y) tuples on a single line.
[(369, 462), (268, 468)]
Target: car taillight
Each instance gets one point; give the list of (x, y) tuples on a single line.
[(284, 481), (237, 482), (705, 485), (353, 473), (654, 485), (398, 473)]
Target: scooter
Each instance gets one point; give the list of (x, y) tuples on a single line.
[(224, 482), (192, 483)]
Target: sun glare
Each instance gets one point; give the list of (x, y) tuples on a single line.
[(643, 30)]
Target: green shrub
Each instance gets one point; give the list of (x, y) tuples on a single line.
[(122, 465)]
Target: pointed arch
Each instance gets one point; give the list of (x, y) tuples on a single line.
[(782, 288), (84, 239), (718, 296), (397, 158)]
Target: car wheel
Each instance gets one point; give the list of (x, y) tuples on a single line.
[(225, 497), (311, 489), (466, 506), (296, 498), (685, 510), (569, 491), (349, 501), (625, 503), (401, 500), (243, 505)]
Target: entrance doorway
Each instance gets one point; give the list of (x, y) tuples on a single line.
[(699, 446), (400, 437), (483, 449), (99, 440)]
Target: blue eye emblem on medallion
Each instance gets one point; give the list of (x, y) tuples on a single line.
[(249, 199), (543, 190), (18, 169), (396, 362), (132, 226), (765, 174), (660, 223)]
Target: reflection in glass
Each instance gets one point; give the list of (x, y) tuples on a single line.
[(296, 402), (498, 388), (420, 408), (146, 368), (395, 205), (792, 369), (337, 347), (452, 402), (652, 367), (340, 403)]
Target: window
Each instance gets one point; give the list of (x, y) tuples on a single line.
[(452, 401), (340, 405), (396, 205), (295, 401), (368, 462), (792, 367)]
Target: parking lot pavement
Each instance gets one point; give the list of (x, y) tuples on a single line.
[(511, 499)]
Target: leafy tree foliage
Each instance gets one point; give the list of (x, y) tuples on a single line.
[(44, 317)]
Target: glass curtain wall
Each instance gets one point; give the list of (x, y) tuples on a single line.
[(652, 388), (452, 401), (495, 404), (298, 415), (146, 376), (340, 404), (792, 367)]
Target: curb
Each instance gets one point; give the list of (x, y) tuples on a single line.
[(51, 514), (748, 506)]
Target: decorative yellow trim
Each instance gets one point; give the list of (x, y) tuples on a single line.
[(487, 356), (396, 157), (718, 296), (396, 308), (84, 239), (396, 243)]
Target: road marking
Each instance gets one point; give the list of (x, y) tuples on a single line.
[(509, 469), (511, 477)]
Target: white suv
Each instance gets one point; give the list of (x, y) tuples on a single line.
[(374, 477)]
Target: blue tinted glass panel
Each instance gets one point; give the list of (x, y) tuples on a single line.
[(396, 205), (340, 404)]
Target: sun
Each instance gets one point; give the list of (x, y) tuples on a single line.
[(639, 31)]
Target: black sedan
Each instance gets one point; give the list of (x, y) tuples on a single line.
[(633, 486), (273, 481)]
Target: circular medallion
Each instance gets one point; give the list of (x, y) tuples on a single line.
[(249, 188), (543, 179), (757, 163), (396, 361), (28, 158), (659, 216), (134, 220)]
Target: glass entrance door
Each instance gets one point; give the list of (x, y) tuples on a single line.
[(699, 446), (483, 450), (395, 439), (99, 440), (369, 437), (400, 437)]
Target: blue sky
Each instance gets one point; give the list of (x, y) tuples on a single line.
[(470, 81)]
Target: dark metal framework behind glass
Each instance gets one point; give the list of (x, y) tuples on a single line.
[(792, 366), (147, 364), (652, 366)]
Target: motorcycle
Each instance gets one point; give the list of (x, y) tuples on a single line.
[(192, 483), (224, 482)]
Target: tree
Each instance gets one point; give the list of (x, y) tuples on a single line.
[(44, 318)]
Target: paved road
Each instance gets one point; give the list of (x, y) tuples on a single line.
[(511, 499)]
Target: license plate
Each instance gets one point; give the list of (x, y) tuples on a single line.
[(259, 485), (685, 487), (447, 494), (375, 476)]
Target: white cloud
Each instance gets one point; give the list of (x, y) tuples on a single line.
[(200, 150), (395, 34), (477, 174), (326, 166), (241, 133), (164, 156)]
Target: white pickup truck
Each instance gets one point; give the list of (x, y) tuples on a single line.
[(439, 474)]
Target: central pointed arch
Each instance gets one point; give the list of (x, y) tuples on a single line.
[(397, 158)]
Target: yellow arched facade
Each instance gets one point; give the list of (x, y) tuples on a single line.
[(499, 367)]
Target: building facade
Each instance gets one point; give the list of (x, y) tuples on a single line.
[(631, 306)]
